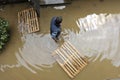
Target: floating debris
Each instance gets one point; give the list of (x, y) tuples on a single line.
[(4, 66)]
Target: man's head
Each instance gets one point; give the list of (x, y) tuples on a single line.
[(58, 20)]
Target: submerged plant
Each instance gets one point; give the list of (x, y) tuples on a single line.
[(4, 35)]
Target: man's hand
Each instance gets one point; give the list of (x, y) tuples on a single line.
[(56, 39)]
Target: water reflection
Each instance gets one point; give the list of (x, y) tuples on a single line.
[(4, 66)]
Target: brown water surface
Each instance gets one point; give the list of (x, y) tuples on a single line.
[(28, 57)]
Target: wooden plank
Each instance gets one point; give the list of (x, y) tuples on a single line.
[(74, 64), (79, 64), (66, 69), (70, 57), (75, 55), (71, 61), (67, 64), (73, 48), (72, 53), (74, 58), (70, 65)]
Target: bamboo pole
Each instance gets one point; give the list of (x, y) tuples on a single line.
[(69, 58), (75, 54), (18, 17), (34, 22), (79, 61), (76, 61), (66, 63), (70, 65), (80, 57), (29, 16), (66, 69), (75, 49), (71, 53)]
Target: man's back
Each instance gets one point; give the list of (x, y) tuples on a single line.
[(55, 28)]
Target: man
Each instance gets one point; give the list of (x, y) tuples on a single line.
[(55, 27), (36, 6)]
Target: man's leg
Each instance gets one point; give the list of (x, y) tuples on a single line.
[(57, 36)]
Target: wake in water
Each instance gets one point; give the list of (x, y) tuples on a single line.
[(36, 51), (4, 66), (99, 36)]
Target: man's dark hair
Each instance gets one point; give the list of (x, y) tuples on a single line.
[(58, 20)]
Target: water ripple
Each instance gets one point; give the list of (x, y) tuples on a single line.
[(36, 52)]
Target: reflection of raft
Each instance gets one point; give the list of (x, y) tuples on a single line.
[(70, 59), (28, 21)]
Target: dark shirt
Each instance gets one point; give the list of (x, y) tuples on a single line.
[(55, 29), (36, 6)]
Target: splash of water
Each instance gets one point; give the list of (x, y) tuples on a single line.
[(4, 66), (36, 51), (99, 36)]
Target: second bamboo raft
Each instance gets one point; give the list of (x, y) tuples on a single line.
[(28, 21)]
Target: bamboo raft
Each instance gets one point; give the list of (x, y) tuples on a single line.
[(28, 21), (70, 59)]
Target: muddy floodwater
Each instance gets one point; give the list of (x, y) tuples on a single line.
[(92, 26)]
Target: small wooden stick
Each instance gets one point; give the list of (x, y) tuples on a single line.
[(76, 53), (77, 57), (79, 61), (75, 60), (70, 59), (66, 63), (70, 65), (77, 69), (73, 47), (67, 70)]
